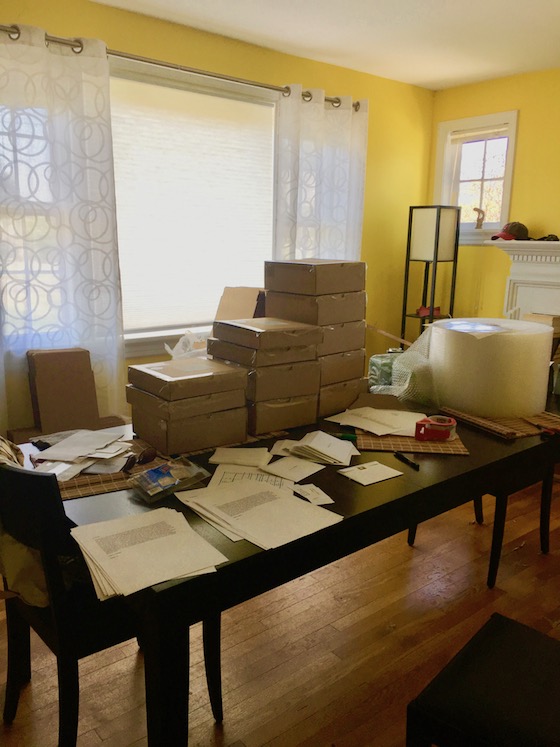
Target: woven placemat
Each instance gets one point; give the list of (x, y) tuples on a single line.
[(508, 428), (82, 485), (369, 442)]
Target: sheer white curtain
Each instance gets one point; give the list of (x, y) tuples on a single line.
[(320, 170), (59, 271)]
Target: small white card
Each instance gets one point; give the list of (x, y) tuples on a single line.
[(370, 472), (313, 494)]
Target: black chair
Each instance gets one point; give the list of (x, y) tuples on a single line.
[(501, 690), (75, 623)]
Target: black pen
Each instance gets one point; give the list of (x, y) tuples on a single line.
[(406, 460)]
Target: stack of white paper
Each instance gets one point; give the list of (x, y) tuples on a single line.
[(380, 422), (263, 514), (319, 446), (134, 552)]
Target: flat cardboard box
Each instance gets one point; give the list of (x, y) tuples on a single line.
[(333, 308), (314, 277), (184, 408), (240, 302), (62, 387), (338, 338), (267, 333), (278, 414), (186, 435), (287, 380), (342, 366), (187, 377), (338, 397), (229, 351)]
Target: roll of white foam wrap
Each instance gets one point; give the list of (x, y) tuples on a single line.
[(491, 367)]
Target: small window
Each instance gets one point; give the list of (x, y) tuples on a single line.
[(474, 166)]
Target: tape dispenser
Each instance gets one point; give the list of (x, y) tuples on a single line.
[(436, 428)]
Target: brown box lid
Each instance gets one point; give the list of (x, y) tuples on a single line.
[(350, 364), (187, 407), (333, 308), (338, 338), (338, 397), (277, 414), (191, 434), (267, 333), (314, 277), (187, 377), (251, 358), (286, 380)]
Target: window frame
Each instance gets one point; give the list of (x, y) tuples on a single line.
[(444, 167)]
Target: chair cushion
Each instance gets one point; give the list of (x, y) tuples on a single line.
[(502, 688)]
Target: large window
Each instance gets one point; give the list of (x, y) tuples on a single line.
[(194, 188), (474, 170)]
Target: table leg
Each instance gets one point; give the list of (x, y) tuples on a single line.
[(497, 538), (166, 672), (546, 500)]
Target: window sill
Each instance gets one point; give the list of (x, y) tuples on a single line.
[(151, 344), (476, 236)]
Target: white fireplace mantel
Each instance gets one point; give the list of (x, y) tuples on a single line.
[(533, 285)]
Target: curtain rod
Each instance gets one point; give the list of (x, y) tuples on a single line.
[(77, 46)]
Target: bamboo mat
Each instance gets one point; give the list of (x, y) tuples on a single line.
[(508, 428), (369, 442), (82, 485)]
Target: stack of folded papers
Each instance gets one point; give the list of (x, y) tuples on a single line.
[(323, 448), (131, 553)]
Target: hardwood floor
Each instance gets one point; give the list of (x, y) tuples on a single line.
[(330, 659)]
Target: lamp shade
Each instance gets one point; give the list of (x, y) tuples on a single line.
[(433, 232)]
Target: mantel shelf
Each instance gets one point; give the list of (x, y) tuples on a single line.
[(529, 251)]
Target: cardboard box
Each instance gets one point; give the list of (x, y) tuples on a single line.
[(315, 277), (186, 435), (338, 338), (184, 408), (338, 397), (342, 366), (288, 380), (277, 414), (187, 377), (62, 387), (240, 303), (229, 351), (267, 333), (333, 308)]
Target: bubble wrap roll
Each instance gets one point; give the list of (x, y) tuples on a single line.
[(491, 367)]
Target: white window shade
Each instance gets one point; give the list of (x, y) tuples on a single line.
[(194, 185)]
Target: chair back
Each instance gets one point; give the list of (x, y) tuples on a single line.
[(32, 513)]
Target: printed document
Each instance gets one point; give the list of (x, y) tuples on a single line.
[(380, 422), (263, 514), (133, 552)]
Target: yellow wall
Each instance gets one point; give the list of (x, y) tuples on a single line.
[(482, 271)]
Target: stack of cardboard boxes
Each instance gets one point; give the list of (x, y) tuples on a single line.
[(280, 360), (188, 404), (332, 295)]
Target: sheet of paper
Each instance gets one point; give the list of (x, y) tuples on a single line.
[(380, 422), (80, 444), (293, 468), (367, 474), (193, 497), (263, 514), (226, 474), (313, 494), (137, 551), (246, 457)]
